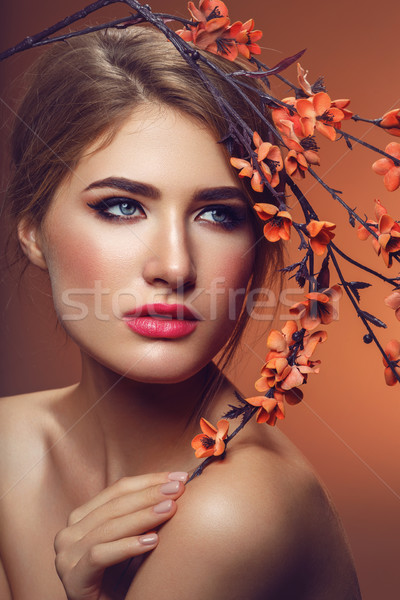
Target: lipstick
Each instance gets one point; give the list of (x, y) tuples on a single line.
[(161, 320)]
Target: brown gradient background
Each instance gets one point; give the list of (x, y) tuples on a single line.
[(348, 424)]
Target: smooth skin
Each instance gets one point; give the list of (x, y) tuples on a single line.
[(92, 475)]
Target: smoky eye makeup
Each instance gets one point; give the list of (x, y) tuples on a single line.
[(226, 216), (117, 208)]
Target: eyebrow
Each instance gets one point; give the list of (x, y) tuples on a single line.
[(127, 185), (226, 192)]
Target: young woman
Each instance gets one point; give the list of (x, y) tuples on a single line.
[(123, 194)]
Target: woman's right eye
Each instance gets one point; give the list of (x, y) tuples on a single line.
[(121, 209)]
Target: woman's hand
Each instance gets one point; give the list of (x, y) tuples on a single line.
[(112, 527)]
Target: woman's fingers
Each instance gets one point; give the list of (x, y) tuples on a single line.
[(112, 527), (105, 555), (84, 579), (132, 524), (128, 504), (123, 486), (73, 542)]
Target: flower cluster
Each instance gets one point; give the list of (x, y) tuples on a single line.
[(267, 162), (212, 31), (387, 167), (287, 366), (387, 231)]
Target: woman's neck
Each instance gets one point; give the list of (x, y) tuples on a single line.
[(142, 426)]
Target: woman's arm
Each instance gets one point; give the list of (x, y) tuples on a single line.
[(249, 528)]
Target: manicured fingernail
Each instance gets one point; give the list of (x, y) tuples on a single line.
[(178, 476), (170, 488), (163, 507), (148, 539)]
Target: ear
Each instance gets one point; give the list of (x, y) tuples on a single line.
[(31, 243)]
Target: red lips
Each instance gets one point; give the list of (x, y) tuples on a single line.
[(168, 321), (159, 309)]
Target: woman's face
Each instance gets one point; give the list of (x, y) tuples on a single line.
[(155, 218)]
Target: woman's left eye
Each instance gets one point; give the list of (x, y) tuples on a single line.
[(117, 208), (228, 217)]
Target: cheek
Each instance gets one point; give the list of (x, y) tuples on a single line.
[(229, 271), (85, 268), (75, 264), (235, 260), (79, 255)]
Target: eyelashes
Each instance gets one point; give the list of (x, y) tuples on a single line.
[(227, 217), (109, 208), (124, 209)]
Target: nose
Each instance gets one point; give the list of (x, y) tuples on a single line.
[(170, 262)]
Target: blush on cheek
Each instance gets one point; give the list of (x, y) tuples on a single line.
[(234, 272), (237, 267), (78, 274), (77, 265)]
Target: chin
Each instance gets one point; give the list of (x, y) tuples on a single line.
[(152, 370)]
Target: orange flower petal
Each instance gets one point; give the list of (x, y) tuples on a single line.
[(298, 309), (393, 349), (276, 340), (219, 448), (263, 150), (321, 102), (207, 428), (256, 400), (386, 223), (326, 130), (318, 297), (239, 163), (317, 247), (313, 340), (294, 379), (310, 322), (390, 379), (256, 182), (382, 166), (394, 149), (262, 416), (393, 301), (293, 396), (305, 108), (335, 115), (257, 139), (265, 211), (204, 452), (312, 157), (392, 179), (307, 126), (272, 232), (197, 441), (261, 385), (314, 227), (223, 427), (341, 103)]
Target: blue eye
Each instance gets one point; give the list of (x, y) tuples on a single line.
[(228, 217), (117, 208)]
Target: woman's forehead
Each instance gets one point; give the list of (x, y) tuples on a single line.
[(161, 146)]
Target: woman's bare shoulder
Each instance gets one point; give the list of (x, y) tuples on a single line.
[(26, 421), (257, 524)]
